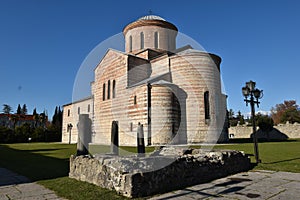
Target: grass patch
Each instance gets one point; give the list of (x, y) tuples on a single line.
[(37, 161), (123, 150), (48, 163), (276, 156), (77, 190)]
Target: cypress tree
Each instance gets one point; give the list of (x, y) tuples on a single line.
[(34, 112), (24, 109), (54, 118), (19, 110)]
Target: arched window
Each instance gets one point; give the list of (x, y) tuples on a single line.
[(68, 112), (142, 40), (206, 105), (156, 40), (134, 100), (131, 126), (108, 89), (130, 43), (78, 110), (103, 97), (114, 89), (89, 108)]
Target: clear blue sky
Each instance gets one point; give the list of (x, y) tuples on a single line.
[(43, 43)]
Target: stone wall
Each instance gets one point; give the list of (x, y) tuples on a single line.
[(144, 176), (290, 130)]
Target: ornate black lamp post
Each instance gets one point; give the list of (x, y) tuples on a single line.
[(255, 94)]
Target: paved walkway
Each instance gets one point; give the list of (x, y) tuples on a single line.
[(14, 186), (250, 185)]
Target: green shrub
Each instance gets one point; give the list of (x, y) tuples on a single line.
[(38, 134), (6, 135), (24, 132), (265, 123)]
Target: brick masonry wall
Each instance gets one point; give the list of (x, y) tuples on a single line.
[(112, 67), (196, 73), (165, 115), (120, 108)]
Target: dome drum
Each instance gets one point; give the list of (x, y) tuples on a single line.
[(150, 32)]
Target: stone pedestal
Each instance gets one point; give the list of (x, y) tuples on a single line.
[(163, 171)]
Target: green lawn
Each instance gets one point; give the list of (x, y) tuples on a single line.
[(277, 156), (37, 161), (123, 150), (48, 164)]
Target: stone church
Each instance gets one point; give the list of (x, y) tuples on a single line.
[(174, 92)]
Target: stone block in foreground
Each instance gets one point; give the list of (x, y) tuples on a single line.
[(161, 172)]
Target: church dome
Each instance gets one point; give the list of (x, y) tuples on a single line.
[(150, 20), (150, 32), (152, 17)]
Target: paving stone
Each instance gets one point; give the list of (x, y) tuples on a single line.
[(292, 185), (237, 196), (269, 182), (259, 175), (266, 193), (14, 186), (9, 190), (214, 191), (286, 176), (202, 186), (288, 194), (250, 185), (200, 193), (218, 198), (27, 186), (3, 197)]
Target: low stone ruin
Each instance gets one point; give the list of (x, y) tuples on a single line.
[(164, 170)]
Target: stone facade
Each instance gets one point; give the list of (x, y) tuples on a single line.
[(71, 117), (175, 93), (290, 130), (158, 173)]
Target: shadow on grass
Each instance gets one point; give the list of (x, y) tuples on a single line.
[(42, 150), (35, 166), (250, 140), (281, 161)]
